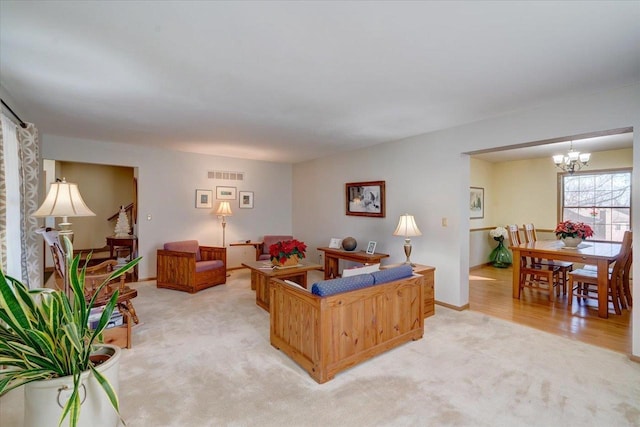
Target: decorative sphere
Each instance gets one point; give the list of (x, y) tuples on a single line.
[(349, 243)]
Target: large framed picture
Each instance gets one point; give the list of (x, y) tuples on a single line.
[(226, 193), (365, 198), (204, 199), (246, 200), (476, 202)]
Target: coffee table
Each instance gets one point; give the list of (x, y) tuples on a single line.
[(261, 273)]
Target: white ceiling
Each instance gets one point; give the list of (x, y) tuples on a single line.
[(291, 81)]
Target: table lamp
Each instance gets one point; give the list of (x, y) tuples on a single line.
[(407, 227)]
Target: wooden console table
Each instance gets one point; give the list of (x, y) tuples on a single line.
[(261, 273), (427, 286), (332, 259), (130, 242)]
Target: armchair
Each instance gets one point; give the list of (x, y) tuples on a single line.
[(267, 241), (187, 266), (94, 276)]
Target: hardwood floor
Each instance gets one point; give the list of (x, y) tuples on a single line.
[(490, 293)]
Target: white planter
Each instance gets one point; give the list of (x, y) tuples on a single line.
[(571, 242), (41, 407)]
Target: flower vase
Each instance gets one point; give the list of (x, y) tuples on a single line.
[(500, 257), (571, 242), (291, 261)]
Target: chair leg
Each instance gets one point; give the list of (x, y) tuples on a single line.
[(132, 311)]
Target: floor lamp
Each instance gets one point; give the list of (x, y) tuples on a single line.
[(224, 210), (407, 227), (63, 201)]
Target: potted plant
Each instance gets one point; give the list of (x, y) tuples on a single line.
[(45, 336), (287, 252), (573, 233)]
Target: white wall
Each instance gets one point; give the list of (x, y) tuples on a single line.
[(167, 181), (428, 176)]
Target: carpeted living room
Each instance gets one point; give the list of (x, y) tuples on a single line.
[(400, 131), (208, 362)]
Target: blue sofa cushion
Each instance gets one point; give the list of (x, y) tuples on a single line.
[(344, 284), (391, 274)]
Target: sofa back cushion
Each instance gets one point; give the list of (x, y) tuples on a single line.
[(270, 240), (184, 246), (391, 274), (335, 286)]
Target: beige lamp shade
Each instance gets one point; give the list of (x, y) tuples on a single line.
[(224, 209), (407, 227), (63, 200)]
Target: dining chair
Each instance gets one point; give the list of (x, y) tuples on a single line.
[(565, 267), (534, 275), (584, 282)]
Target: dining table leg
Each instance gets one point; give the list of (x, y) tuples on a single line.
[(516, 273), (603, 291)]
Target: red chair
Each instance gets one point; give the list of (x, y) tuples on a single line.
[(187, 266)]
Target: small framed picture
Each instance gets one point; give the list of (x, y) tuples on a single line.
[(226, 193), (476, 202), (204, 199), (246, 200), (335, 243), (371, 248)]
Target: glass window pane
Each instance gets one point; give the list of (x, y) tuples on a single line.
[(602, 200)]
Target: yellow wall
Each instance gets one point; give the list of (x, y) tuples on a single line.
[(527, 190), (104, 189), (524, 191)]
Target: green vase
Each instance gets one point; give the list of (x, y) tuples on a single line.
[(500, 257)]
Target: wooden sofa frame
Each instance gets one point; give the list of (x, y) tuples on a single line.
[(326, 335), (177, 270)]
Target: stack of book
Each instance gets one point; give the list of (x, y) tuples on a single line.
[(116, 318)]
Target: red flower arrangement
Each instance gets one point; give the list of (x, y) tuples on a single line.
[(573, 229), (282, 251)]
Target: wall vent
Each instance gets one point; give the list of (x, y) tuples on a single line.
[(226, 175)]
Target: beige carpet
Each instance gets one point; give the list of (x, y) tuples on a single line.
[(205, 360)]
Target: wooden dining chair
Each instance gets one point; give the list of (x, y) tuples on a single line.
[(584, 282), (565, 267), (534, 275)]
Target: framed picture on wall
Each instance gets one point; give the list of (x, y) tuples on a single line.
[(204, 199), (476, 202), (365, 198), (246, 200), (226, 193)]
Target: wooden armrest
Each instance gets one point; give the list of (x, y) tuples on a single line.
[(108, 265)]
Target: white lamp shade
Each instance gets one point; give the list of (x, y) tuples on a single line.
[(558, 159), (573, 155), (63, 200), (407, 227), (224, 209), (584, 157)]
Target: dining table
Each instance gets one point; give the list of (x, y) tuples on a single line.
[(600, 254)]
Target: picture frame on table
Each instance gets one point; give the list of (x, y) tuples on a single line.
[(371, 248), (365, 198), (245, 199), (476, 202), (204, 199), (335, 243), (226, 193)]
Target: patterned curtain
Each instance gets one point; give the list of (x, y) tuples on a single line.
[(28, 173), (29, 155), (3, 208)]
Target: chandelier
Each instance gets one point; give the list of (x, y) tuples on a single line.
[(573, 161)]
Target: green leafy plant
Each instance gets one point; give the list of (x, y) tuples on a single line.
[(45, 334)]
